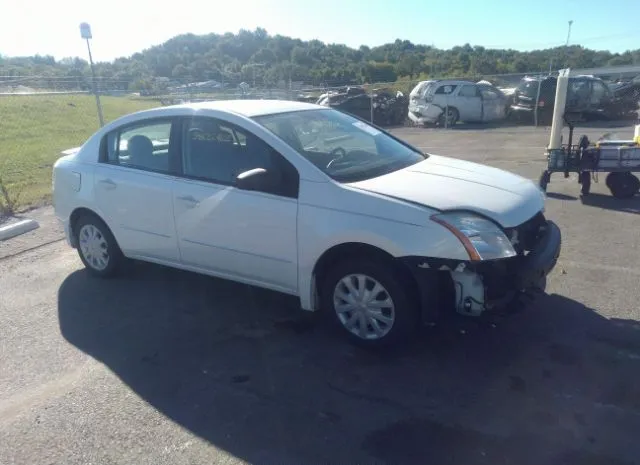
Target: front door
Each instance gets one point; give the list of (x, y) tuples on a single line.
[(249, 236), (469, 103), (494, 106), (133, 190)]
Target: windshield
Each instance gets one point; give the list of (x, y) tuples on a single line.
[(345, 148)]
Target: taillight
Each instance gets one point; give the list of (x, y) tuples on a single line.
[(541, 103)]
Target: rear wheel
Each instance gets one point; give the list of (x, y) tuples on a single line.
[(97, 247), (623, 185), (370, 302), (449, 117)]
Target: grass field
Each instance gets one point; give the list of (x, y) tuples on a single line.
[(35, 129)]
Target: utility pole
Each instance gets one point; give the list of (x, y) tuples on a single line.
[(85, 33)]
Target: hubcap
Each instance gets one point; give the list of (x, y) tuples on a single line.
[(94, 247), (364, 307)]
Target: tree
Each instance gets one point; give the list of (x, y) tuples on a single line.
[(379, 72), (229, 57)]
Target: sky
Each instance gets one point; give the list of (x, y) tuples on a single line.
[(123, 27)]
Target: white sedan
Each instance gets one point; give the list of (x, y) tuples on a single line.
[(308, 201)]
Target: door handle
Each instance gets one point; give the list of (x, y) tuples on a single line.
[(189, 199), (108, 183)]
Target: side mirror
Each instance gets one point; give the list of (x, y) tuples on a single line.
[(256, 179)]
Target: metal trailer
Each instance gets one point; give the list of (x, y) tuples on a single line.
[(619, 158)]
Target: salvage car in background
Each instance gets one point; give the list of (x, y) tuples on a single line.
[(588, 96), (450, 101), (307, 201), (628, 92), (388, 109)]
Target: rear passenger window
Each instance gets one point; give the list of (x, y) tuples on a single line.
[(144, 146)]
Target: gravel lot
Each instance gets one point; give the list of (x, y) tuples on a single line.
[(167, 367)]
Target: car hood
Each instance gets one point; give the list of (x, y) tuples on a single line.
[(446, 183)]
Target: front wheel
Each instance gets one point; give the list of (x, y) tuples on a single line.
[(370, 302)]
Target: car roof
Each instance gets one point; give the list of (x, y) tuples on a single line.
[(449, 82), (249, 108), (579, 77)]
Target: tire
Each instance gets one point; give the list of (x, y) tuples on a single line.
[(623, 185), (92, 236), (453, 117), (396, 323)]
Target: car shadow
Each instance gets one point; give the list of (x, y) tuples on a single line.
[(559, 196), (247, 371), (609, 202), (487, 125), (606, 124)]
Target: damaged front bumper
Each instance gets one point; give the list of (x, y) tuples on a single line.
[(480, 286)]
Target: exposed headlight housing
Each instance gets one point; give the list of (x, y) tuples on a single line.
[(481, 238)]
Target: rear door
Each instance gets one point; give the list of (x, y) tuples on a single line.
[(601, 97), (578, 94), (133, 186)]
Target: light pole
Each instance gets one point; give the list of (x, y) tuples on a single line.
[(85, 33), (568, 33), (566, 45)]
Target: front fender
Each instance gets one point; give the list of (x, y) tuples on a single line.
[(320, 229)]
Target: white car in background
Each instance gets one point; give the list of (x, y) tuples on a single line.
[(449, 101), (308, 201)]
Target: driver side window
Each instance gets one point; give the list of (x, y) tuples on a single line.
[(216, 151)]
